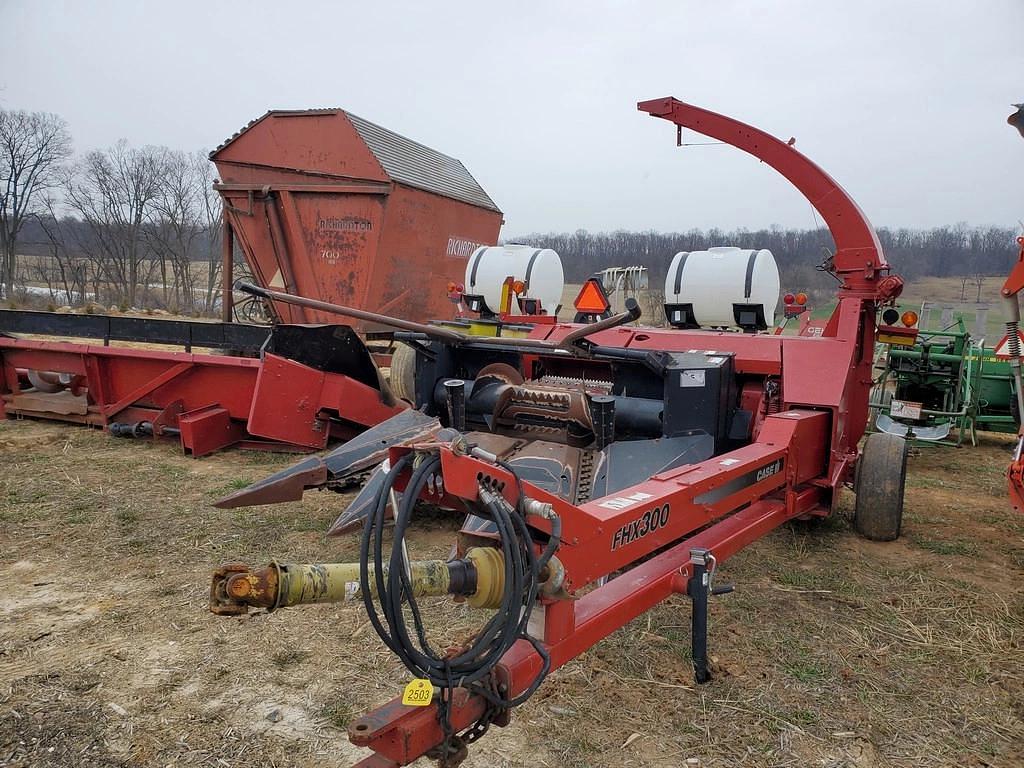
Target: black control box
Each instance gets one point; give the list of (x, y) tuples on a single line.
[(699, 395)]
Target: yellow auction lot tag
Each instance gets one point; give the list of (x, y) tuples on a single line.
[(418, 693)]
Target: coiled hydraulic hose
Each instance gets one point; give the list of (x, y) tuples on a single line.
[(472, 667)]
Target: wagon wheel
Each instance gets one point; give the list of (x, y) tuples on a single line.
[(403, 373), (252, 310), (881, 477)]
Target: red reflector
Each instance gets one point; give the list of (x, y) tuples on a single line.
[(591, 298), (789, 298)]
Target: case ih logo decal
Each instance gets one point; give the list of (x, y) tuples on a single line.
[(648, 522), (741, 482), (772, 469)]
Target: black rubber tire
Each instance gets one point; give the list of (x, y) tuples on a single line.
[(880, 481), (403, 373)]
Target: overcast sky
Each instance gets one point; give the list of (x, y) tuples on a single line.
[(904, 103)]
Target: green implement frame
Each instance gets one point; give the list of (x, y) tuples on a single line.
[(946, 382)]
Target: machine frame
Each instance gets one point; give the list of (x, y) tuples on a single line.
[(666, 535)]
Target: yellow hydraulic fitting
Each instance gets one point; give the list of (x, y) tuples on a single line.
[(489, 564)]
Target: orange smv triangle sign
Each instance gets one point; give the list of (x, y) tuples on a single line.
[(591, 298)]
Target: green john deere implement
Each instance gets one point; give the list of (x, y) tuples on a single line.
[(946, 383)]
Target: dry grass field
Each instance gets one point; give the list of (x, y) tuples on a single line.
[(833, 651)]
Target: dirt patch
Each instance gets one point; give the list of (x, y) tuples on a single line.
[(832, 652)]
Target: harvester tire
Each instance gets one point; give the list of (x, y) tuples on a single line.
[(881, 477), (403, 373)]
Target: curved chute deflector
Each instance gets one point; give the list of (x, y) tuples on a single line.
[(859, 260)]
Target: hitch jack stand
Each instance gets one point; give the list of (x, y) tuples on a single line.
[(699, 589)]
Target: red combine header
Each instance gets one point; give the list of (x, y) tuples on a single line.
[(321, 202)]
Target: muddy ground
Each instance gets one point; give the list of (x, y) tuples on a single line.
[(833, 651)]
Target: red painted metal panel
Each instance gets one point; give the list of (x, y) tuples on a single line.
[(339, 237), (316, 214), (324, 247), (320, 143), (755, 354), (430, 239), (814, 373), (285, 405), (208, 429), (355, 402), (807, 433), (113, 373), (275, 399)]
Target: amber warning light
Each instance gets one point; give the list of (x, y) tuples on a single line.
[(795, 304), (891, 333)]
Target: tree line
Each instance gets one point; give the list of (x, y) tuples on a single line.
[(126, 225), (139, 226), (952, 251)]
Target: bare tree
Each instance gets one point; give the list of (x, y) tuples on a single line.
[(185, 231), (979, 280), (33, 147), (67, 274), (175, 236), (115, 193), (212, 223)]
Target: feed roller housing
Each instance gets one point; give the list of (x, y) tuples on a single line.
[(327, 205)]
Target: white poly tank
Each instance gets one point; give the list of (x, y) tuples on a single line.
[(715, 280), (539, 268)]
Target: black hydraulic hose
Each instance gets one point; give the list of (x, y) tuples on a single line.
[(374, 530), (522, 570), (476, 661)]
